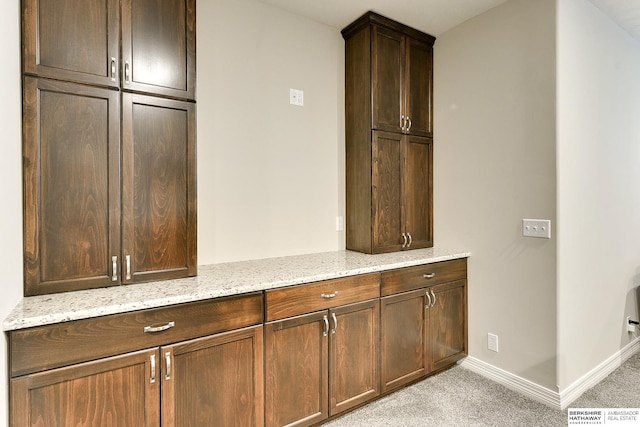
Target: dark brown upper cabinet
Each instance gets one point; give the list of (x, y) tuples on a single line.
[(109, 152), (71, 157), (401, 74), (80, 41), (158, 188), (158, 47), (389, 150), (73, 40)]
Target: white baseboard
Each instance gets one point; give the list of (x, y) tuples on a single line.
[(597, 374), (513, 382), (558, 400)]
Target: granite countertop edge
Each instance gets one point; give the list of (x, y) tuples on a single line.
[(214, 281)]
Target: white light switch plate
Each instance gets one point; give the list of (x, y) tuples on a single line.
[(540, 228), (296, 97)]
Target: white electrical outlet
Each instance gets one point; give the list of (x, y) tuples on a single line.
[(540, 228), (492, 342), (339, 223), (630, 326)]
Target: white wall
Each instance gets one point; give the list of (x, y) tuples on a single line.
[(494, 155), (11, 188), (598, 187), (271, 175)]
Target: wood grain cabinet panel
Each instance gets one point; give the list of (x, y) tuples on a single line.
[(389, 126), (73, 40), (118, 391), (447, 324), (320, 364), (353, 355), (71, 186), (403, 337), (215, 378), (296, 300), (158, 47), (75, 191), (159, 188), (297, 364), (214, 381), (422, 330)]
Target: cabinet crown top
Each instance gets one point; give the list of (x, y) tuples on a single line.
[(372, 18)]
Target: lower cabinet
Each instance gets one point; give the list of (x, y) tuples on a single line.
[(322, 363), (292, 356), (115, 391), (422, 330), (212, 380)]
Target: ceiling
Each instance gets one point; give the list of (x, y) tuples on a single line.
[(434, 16)]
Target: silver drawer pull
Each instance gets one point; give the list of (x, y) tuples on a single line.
[(114, 268), (429, 276), (325, 319), (152, 380), (335, 323), (167, 361), (329, 296), (152, 329), (434, 299)]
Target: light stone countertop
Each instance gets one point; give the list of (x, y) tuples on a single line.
[(215, 280)]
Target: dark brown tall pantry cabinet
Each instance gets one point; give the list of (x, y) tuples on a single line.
[(389, 131), (109, 139)]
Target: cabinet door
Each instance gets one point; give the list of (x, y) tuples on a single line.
[(159, 190), (297, 370), (403, 338), (388, 79), (354, 358), (387, 192), (118, 391), (216, 380), (71, 150), (447, 325), (75, 40), (418, 191), (418, 87), (158, 47)]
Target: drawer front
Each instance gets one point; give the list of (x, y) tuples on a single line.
[(296, 300), (410, 278), (63, 344)]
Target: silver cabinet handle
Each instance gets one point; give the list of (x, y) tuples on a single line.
[(325, 319), (404, 240), (127, 260), (408, 128), (434, 298), (152, 380), (429, 276), (167, 360), (329, 296), (114, 268), (403, 122), (410, 240), (335, 323), (127, 71), (114, 69), (152, 329), (429, 298)]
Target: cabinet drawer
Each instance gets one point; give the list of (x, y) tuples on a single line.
[(406, 279), (302, 299), (63, 344)]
